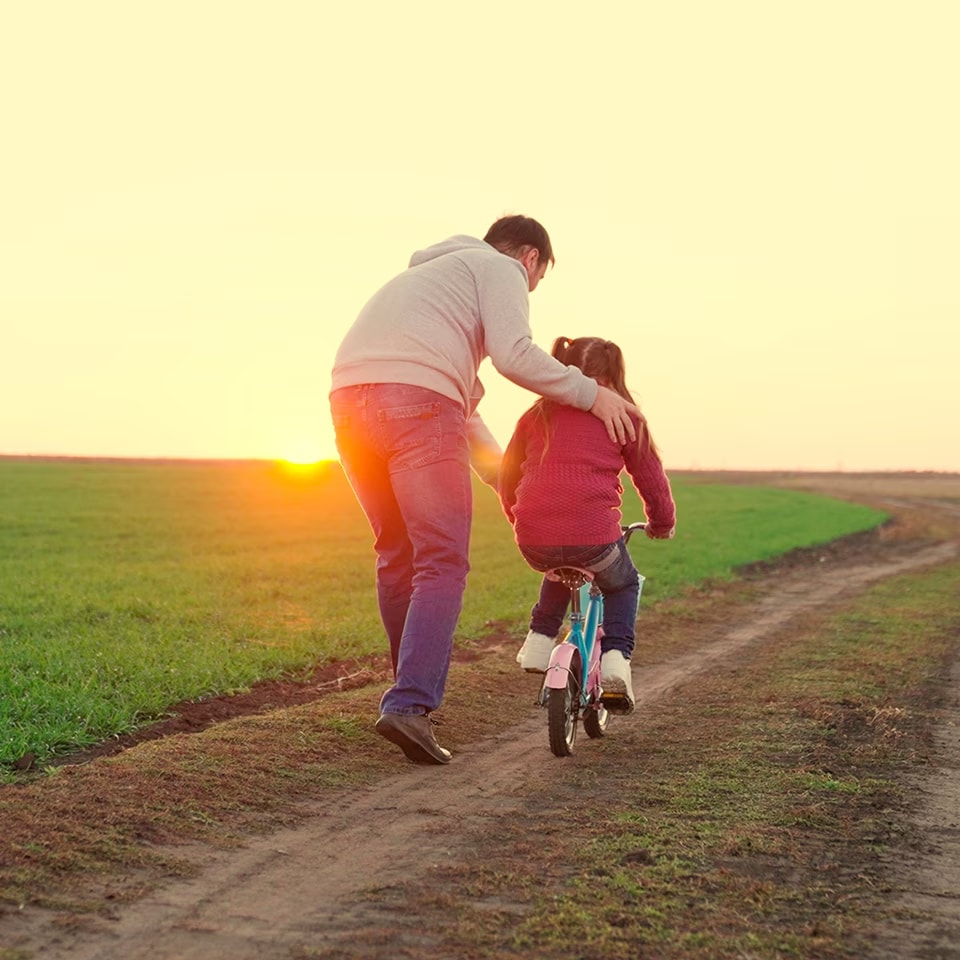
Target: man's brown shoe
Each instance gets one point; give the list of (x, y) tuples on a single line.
[(413, 733)]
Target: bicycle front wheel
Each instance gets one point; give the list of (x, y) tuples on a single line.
[(562, 709)]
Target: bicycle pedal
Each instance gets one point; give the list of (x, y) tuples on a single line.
[(617, 703)]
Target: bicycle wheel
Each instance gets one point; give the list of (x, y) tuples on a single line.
[(562, 709), (595, 719)]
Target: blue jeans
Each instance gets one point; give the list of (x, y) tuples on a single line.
[(614, 574), (405, 452)]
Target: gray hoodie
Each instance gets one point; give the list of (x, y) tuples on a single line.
[(459, 302)]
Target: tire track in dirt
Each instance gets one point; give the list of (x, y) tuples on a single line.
[(303, 884), (925, 901)]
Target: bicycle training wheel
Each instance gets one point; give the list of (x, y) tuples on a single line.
[(595, 719), (562, 708)]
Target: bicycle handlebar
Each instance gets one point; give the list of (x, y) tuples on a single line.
[(628, 529)]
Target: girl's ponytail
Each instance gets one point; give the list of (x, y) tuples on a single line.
[(614, 357), (560, 346)]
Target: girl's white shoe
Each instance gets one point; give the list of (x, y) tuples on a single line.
[(534, 655), (617, 682)]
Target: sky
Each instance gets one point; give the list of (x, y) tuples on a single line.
[(757, 199)]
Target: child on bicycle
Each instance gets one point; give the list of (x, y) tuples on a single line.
[(560, 489)]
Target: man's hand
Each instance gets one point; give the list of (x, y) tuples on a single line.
[(615, 413)]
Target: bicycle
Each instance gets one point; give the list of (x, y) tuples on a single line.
[(571, 689)]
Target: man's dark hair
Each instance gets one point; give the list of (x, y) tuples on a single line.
[(511, 234)]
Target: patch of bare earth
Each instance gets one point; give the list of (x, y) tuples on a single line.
[(296, 877)]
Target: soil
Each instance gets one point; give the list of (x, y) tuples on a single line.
[(306, 882)]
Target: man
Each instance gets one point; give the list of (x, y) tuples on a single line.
[(403, 400)]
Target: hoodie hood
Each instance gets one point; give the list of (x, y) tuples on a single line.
[(455, 244)]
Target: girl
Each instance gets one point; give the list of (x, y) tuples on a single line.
[(560, 489)]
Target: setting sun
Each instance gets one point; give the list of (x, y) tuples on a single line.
[(305, 456), (312, 470)]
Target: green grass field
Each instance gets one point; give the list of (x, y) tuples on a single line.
[(126, 587)]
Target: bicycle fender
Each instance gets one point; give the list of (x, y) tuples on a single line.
[(559, 668)]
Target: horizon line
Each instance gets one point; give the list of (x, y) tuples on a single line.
[(227, 461)]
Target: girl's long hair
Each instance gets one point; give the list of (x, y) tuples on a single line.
[(603, 361)]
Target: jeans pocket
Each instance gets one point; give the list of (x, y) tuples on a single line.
[(603, 558), (341, 422), (411, 434)]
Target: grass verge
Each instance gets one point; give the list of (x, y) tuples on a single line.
[(128, 587)]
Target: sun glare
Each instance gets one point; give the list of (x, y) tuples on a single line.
[(306, 460), (305, 453), (306, 469)]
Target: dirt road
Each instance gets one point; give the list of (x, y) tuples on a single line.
[(305, 885)]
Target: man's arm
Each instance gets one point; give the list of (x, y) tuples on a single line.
[(504, 312), (485, 452), (504, 308)]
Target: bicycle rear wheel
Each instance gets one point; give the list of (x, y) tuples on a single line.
[(595, 719), (563, 706)]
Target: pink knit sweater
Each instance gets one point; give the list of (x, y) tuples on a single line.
[(571, 495)]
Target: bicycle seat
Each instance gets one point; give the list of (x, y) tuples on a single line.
[(571, 577)]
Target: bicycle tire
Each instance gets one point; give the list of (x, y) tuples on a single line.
[(563, 707), (595, 719)]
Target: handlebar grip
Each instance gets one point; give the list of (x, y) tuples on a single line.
[(629, 528)]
